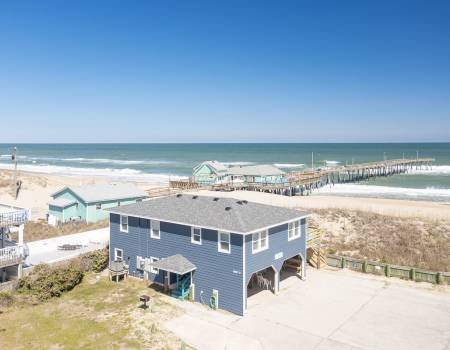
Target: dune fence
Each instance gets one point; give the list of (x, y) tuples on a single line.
[(388, 270)]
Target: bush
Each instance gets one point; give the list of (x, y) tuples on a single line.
[(95, 261), (46, 282), (6, 299)]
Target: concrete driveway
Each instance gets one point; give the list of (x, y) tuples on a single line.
[(331, 310), (46, 250)]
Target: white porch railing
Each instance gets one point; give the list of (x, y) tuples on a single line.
[(16, 217), (10, 256)]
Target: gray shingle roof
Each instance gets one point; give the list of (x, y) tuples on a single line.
[(255, 170), (105, 192), (175, 263), (61, 202), (225, 214)]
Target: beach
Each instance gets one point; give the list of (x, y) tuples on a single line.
[(37, 188)]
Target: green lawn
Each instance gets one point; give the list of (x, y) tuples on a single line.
[(95, 315)]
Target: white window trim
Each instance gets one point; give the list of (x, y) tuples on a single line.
[(128, 224), (219, 248), (153, 270), (151, 230), (254, 251), (297, 234), (115, 253), (192, 235), (139, 259)]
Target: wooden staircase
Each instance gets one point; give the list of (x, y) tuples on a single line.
[(314, 254)]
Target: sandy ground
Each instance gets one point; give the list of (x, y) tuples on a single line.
[(392, 207)]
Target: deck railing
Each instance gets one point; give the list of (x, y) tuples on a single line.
[(12, 218), (10, 256)]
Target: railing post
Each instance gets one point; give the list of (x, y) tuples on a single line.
[(438, 278), (342, 262), (364, 266)]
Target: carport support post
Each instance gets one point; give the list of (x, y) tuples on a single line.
[(276, 288)]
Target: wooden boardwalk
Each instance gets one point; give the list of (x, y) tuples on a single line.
[(304, 182)]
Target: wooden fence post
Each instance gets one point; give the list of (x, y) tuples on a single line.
[(342, 262), (412, 274), (387, 270), (438, 278), (364, 266)]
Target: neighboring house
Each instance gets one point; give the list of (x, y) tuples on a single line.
[(214, 172), (206, 173), (12, 253), (219, 249), (87, 202)]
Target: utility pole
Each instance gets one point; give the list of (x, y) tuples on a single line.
[(384, 156), (312, 160), (417, 154), (14, 160)]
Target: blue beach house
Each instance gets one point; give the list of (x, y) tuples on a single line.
[(88, 202), (216, 251)]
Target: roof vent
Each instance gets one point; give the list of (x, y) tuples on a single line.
[(245, 201), (179, 195), (227, 208), (194, 197), (216, 199), (239, 202)]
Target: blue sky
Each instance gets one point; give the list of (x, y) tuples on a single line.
[(229, 71)]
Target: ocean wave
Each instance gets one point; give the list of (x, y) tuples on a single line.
[(289, 165), (332, 162), (127, 173), (434, 170), (82, 160), (372, 190)]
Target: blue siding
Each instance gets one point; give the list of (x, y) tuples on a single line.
[(278, 243), (215, 270)]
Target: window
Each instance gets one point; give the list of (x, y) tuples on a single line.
[(293, 230), (260, 241), (123, 223), (154, 229), (196, 235), (140, 263), (224, 242), (152, 269), (118, 254), (98, 206)]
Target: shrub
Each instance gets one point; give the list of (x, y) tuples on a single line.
[(46, 282), (6, 299), (95, 261)]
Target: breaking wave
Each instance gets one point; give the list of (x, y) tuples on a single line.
[(289, 165), (124, 174)]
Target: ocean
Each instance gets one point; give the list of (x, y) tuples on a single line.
[(160, 162)]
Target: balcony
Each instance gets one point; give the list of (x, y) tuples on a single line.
[(12, 255), (13, 216)]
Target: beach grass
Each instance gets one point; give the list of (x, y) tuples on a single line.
[(98, 314)]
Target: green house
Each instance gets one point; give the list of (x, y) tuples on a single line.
[(87, 202)]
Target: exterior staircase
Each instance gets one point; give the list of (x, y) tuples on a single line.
[(315, 255), (182, 289)]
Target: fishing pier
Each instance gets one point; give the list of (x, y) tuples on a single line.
[(304, 182)]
